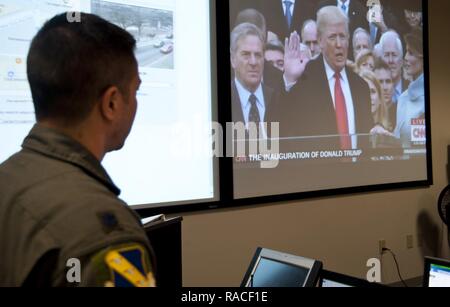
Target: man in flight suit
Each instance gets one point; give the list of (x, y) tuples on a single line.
[(59, 209)]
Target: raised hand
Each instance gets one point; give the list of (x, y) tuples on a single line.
[(379, 22), (295, 60)]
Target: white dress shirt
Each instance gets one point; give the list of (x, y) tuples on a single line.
[(292, 7), (345, 85), (244, 97)]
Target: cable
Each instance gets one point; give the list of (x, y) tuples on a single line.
[(396, 264)]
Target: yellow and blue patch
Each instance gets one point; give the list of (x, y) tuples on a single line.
[(128, 268)]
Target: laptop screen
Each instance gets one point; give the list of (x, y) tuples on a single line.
[(272, 273), (271, 268), (329, 279), (436, 272), (439, 276), (326, 283)]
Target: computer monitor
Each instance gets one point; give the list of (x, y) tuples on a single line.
[(330, 279), (437, 272), (276, 269)]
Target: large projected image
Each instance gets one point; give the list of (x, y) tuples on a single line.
[(345, 80), (174, 56)]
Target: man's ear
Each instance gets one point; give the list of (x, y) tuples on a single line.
[(320, 41), (233, 61), (110, 102)]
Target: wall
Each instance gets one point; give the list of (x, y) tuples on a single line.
[(343, 231)]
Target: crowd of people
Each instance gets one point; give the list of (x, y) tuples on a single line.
[(339, 67)]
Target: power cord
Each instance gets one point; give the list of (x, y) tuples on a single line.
[(385, 249)]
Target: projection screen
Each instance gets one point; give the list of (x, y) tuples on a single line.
[(159, 165), (347, 84)]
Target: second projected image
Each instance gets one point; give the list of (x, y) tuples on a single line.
[(346, 81), (350, 75), (151, 27)]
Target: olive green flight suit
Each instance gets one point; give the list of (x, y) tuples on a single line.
[(58, 203)]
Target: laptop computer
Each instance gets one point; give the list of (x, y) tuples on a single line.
[(436, 273), (330, 279), (270, 268)]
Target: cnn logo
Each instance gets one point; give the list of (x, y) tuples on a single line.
[(418, 133)]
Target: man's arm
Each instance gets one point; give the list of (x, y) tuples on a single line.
[(126, 265), (42, 273)]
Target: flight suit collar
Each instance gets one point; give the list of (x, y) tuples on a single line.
[(56, 145)]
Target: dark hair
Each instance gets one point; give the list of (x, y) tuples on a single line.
[(412, 5), (275, 45), (380, 65), (254, 17), (414, 41), (71, 64)]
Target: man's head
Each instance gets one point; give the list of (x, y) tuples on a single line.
[(413, 13), (254, 17), (384, 76), (309, 37), (414, 19), (274, 54), (392, 53), (84, 71), (247, 55), (333, 34), (361, 41)]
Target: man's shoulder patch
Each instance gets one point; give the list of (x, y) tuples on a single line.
[(128, 267), (109, 222)]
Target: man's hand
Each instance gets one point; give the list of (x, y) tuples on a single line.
[(379, 22), (378, 129), (295, 60)]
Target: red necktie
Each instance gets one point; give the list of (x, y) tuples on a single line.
[(341, 114)]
